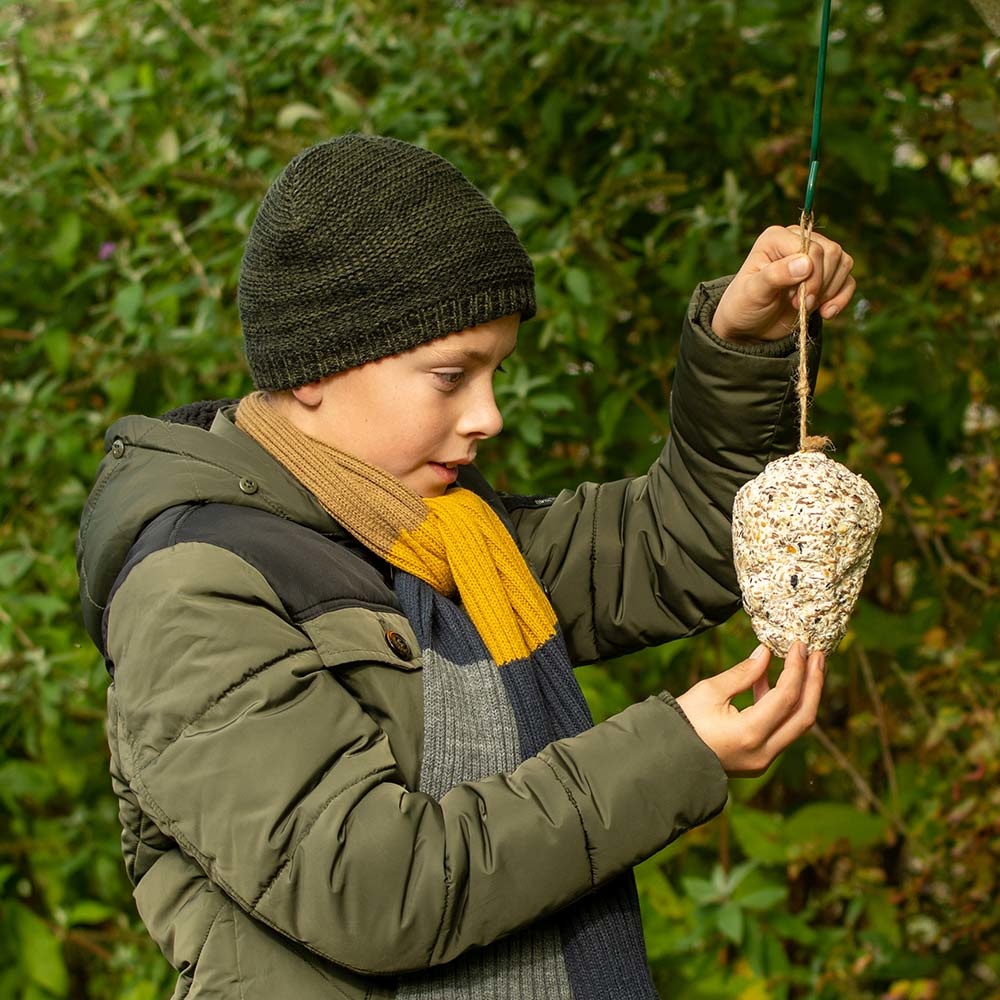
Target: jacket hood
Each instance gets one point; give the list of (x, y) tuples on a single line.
[(195, 454)]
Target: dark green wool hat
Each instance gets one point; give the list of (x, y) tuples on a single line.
[(366, 246)]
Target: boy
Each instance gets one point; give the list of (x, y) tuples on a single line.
[(350, 755)]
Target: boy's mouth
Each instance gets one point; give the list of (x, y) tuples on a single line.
[(457, 462), (448, 471)]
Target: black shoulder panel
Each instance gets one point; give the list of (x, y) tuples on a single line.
[(200, 414), (310, 572), (514, 501)]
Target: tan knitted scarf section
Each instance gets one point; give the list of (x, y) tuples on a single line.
[(455, 543)]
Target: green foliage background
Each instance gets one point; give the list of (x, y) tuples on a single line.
[(638, 147)]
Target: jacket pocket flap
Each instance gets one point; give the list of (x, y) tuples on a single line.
[(360, 635)]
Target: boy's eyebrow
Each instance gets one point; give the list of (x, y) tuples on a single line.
[(457, 354)]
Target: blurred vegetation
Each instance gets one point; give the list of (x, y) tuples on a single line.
[(638, 146)]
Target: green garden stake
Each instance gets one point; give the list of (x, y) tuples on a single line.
[(809, 442), (824, 34)]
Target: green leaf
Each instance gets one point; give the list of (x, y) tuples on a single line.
[(765, 952), (763, 899), (730, 921), (700, 890), (40, 952), (345, 102), (530, 428), (62, 249), (141, 991), (168, 146), (609, 414), (731, 880), (820, 825), (761, 835), (552, 113), (563, 190), (521, 211), (879, 629), (578, 285), (127, 303), (981, 115), (146, 77), (291, 114), (90, 911), (24, 781), (118, 389), (13, 566), (58, 347), (551, 402), (883, 916)]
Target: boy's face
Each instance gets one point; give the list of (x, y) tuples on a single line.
[(417, 415)]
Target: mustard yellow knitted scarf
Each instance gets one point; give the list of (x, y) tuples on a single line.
[(455, 543)]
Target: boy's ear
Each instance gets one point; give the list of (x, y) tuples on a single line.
[(310, 394)]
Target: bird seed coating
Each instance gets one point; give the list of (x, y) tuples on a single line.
[(803, 534)]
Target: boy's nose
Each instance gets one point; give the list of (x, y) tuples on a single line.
[(482, 419)]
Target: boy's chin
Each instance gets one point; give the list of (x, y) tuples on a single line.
[(430, 492), (429, 480), (425, 485)]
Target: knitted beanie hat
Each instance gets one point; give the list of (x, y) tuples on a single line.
[(366, 246)]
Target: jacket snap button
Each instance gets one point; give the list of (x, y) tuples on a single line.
[(398, 645), (248, 486), (117, 448)]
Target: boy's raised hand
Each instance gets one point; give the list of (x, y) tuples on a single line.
[(747, 741), (762, 302)]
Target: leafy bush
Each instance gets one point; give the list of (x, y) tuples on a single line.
[(638, 147)]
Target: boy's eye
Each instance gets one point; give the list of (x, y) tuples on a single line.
[(449, 378)]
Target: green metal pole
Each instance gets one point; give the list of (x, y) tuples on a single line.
[(824, 34)]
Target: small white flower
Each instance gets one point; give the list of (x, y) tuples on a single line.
[(979, 418)]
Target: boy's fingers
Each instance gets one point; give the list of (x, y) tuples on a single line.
[(817, 279), (760, 688), (840, 301), (794, 671), (744, 675), (771, 713), (804, 716), (829, 276), (775, 274), (834, 298), (839, 288), (815, 678)]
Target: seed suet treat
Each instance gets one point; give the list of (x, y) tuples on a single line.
[(803, 534)]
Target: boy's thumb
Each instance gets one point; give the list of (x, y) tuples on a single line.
[(799, 266), (779, 274)]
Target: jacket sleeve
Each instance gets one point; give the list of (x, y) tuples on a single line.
[(239, 741), (641, 561)]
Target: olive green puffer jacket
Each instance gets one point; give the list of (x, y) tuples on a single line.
[(265, 709)]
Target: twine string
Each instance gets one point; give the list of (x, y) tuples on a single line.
[(807, 442)]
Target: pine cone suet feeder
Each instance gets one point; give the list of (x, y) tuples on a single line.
[(803, 534)]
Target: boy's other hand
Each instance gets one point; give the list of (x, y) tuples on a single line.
[(762, 301), (747, 741)]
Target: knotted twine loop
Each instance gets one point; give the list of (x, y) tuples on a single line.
[(807, 442)]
